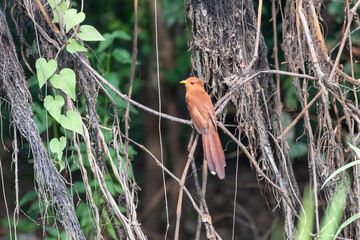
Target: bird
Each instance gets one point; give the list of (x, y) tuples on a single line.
[(204, 118)]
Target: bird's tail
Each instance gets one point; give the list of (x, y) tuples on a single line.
[(213, 151)]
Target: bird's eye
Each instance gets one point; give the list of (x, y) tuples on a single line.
[(192, 83)]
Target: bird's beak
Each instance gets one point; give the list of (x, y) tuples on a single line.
[(183, 82)]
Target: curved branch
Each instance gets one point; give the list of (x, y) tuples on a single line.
[(126, 98)]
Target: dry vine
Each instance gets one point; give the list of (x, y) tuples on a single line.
[(229, 53)]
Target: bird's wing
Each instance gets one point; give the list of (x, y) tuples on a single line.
[(212, 114), (200, 123)]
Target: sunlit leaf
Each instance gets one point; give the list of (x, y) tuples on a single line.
[(44, 70), (75, 46), (72, 18), (71, 121), (89, 33), (53, 106), (63, 9), (65, 81), (57, 146)]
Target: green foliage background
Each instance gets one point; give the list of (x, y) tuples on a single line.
[(112, 58)]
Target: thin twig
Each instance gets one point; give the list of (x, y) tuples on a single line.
[(142, 147), (126, 98), (221, 101), (336, 45), (197, 209), (132, 76), (183, 178), (61, 22), (89, 194), (240, 81), (285, 132), (5, 201), (337, 59), (312, 164), (46, 16), (317, 28), (314, 59), (275, 48), (257, 38), (203, 188), (22, 41), (159, 122), (348, 121), (210, 231), (256, 165), (235, 190), (106, 194), (15, 161), (107, 200)]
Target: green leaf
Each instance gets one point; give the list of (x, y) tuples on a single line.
[(121, 35), (53, 106), (31, 195), (306, 220), (63, 9), (286, 120), (122, 55), (57, 146), (356, 150), (290, 95), (347, 222), (334, 212), (298, 149), (51, 3), (340, 170), (52, 231), (110, 230), (44, 70), (65, 81), (109, 39), (73, 18), (89, 33), (71, 121), (105, 44), (80, 187), (75, 46)]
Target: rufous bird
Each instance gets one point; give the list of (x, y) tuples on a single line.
[(203, 115)]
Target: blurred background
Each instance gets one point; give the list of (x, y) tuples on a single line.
[(256, 214)]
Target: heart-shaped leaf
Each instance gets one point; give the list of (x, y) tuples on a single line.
[(75, 46), (44, 70), (63, 9), (89, 33), (51, 3), (53, 106), (57, 146), (71, 121), (73, 18), (65, 81)]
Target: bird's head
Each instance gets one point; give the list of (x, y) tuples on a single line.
[(192, 82)]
